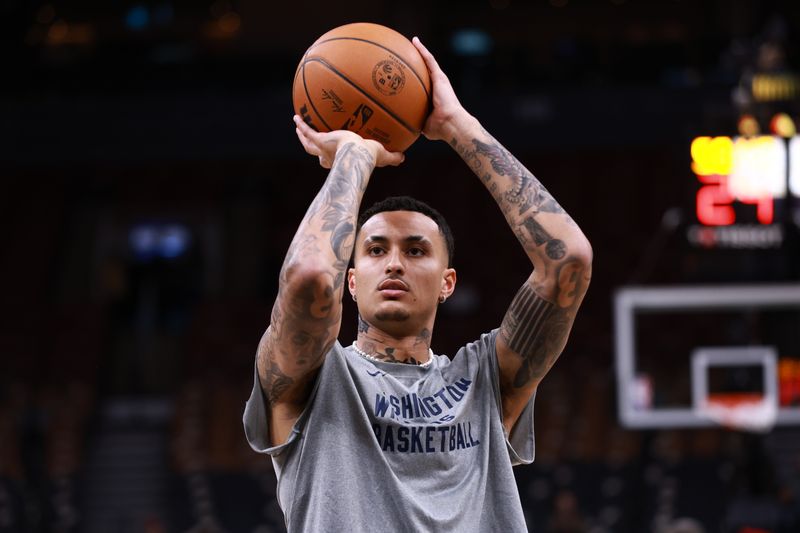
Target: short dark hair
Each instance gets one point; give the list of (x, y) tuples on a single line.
[(407, 203)]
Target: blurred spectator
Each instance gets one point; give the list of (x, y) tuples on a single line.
[(684, 525), (566, 515)]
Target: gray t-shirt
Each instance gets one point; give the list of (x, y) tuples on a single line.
[(397, 447)]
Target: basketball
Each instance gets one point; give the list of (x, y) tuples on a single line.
[(365, 78)]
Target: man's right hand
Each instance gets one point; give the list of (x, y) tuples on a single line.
[(325, 145)]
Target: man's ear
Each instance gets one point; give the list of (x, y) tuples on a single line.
[(351, 281), (448, 282)]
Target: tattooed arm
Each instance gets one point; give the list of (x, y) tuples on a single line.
[(306, 315), (535, 328)]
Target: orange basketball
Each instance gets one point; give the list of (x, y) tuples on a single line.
[(365, 78)]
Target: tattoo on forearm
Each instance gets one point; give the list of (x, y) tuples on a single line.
[(555, 248), (520, 195), (304, 245), (470, 157), (338, 205), (526, 192), (304, 323)]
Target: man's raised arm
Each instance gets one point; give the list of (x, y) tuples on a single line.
[(538, 321), (535, 328), (306, 315)]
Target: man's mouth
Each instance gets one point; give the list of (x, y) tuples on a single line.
[(392, 288)]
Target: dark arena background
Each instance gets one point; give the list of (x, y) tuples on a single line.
[(151, 181)]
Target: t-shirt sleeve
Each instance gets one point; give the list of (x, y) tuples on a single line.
[(521, 443), (256, 419)]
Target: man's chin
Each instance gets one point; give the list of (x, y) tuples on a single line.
[(392, 315)]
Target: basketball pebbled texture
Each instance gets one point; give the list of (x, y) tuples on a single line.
[(365, 78)]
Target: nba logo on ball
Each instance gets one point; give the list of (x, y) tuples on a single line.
[(388, 77)]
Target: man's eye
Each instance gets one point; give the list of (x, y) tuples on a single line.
[(416, 251), (375, 251)]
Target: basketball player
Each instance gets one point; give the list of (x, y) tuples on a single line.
[(383, 435)]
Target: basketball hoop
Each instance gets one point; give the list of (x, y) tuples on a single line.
[(742, 411), (752, 410)]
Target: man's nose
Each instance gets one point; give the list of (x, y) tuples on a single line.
[(394, 262)]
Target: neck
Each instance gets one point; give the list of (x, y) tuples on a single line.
[(411, 349)]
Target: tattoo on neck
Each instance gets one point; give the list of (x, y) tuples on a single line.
[(423, 338), (363, 326), (388, 354)]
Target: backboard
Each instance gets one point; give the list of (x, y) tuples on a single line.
[(676, 347)]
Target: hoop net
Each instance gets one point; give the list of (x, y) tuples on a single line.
[(742, 411)]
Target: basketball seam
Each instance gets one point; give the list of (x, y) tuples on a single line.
[(411, 68), (359, 89), (311, 100)]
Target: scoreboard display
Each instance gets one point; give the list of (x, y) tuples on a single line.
[(746, 190)]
